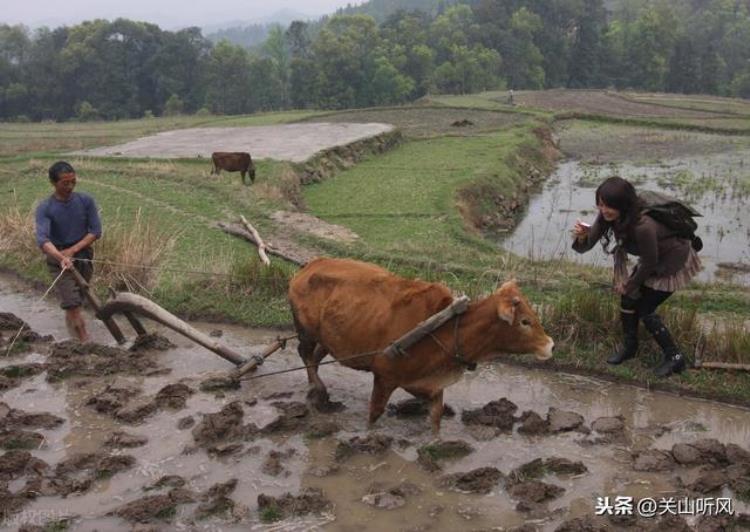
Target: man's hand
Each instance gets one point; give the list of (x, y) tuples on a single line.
[(66, 262), (69, 252), (620, 288)]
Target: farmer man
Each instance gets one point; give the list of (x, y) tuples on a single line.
[(67, 223)]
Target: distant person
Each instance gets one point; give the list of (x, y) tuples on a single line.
[(666, 263), (67, 223), (510, 97)]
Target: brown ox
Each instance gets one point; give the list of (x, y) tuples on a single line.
[(232, 161), (346, 308)]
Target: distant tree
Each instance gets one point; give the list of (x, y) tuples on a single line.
[(388, 84), (228, 86), (584, 68), (277, 50), (684, 68), (345, 61), (522, 58), (87, 112), (174, 106)]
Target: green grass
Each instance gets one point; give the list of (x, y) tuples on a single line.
[(269, 514), (404, 202)]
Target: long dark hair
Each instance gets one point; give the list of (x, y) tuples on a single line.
[(620, 194)]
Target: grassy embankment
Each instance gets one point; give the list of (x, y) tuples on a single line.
[(406, 209)]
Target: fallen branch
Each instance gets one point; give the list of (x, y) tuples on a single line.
[(258, 241), (722, 365), (244, 233)]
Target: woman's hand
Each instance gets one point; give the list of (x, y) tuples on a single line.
[(581, 230)]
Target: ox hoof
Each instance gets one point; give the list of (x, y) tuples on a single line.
[(318, 399)]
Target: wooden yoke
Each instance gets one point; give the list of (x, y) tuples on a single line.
[(399, 347)]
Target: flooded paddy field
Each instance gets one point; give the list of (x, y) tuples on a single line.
[(710, 172), (154, 439)]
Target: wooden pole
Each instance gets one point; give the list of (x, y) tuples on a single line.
[(398, 347), (126, 302), (257, 360), (258, 240), (113, 328)]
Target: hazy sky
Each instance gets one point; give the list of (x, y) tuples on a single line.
[(168, 14)]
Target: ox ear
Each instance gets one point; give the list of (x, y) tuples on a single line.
[(506, 309)]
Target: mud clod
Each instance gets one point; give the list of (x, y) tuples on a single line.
[(709, 481), (535, 491), (185, 423), (151, 342), (173, 396), (11, 418), (538, 468), (609, 425), (563, 421), (20, 439), (77, 473), (136, 412), (375, 444), (17, 463), (123, 440), (309, 501), (71, 358), (432, 454), (533, 424), (481, 480), (415, 407), (221, 426), (497, 414), (653, 460), (112, 398), (148, 509), (273, 463)]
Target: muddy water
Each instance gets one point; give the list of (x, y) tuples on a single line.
[(716, 185), (652, 420)]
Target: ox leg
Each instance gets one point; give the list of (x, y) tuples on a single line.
[(381, 392), (436, 411), (317, 394)]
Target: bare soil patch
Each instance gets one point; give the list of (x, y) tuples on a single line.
[(607, 143), (313, 225), (420, 122), (289, 142), (601, 103)]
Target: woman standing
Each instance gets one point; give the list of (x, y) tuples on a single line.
[(666, 263)]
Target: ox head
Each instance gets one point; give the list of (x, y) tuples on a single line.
[(521, 331)]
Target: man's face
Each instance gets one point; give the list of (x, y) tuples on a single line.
[(65, 185)]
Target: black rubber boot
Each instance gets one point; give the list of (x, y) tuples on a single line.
[(629, 321), (673, 361)]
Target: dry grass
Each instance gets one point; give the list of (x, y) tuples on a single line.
[(17, 234), (134, 248)]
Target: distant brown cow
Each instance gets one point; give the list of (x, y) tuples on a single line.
[(233, 161), (345, 308)]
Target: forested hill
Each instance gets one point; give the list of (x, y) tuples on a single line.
[(121, 69), (380, 10)]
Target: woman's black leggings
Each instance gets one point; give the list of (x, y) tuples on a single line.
[(647, 303)]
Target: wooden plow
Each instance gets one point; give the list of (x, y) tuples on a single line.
[(131, 305)]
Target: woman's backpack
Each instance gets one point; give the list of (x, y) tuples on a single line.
[(672, 213)]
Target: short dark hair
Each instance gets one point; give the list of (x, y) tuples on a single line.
[(59, 168)]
